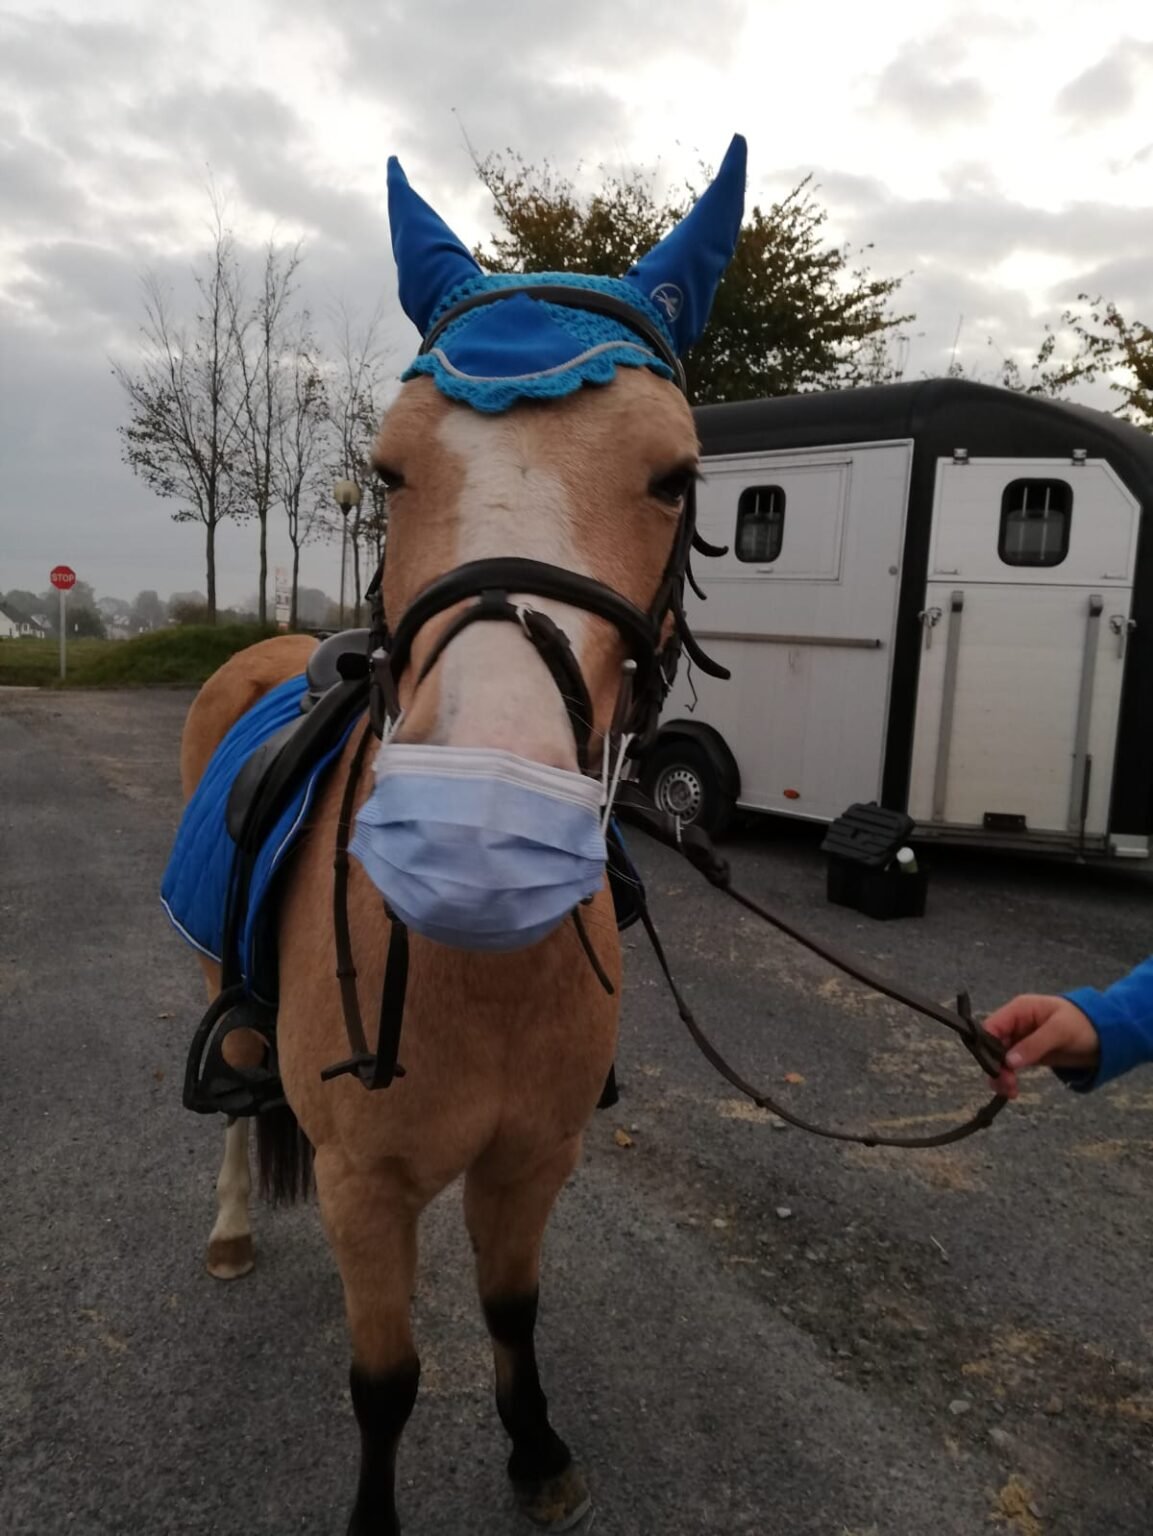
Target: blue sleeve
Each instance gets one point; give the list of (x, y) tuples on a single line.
[(1123, 1018)]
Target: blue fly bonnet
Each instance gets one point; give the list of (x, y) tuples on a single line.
[(489, 355)]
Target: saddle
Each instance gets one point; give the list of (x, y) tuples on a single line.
[(336, 696), (337, 676)]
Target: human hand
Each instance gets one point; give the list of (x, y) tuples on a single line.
[(1041, 1032)]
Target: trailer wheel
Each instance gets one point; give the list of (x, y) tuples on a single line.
[(681, 778)]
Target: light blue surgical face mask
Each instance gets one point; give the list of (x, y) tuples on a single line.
[(479, 848)]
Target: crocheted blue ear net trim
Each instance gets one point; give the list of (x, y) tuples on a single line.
[(524, 349)]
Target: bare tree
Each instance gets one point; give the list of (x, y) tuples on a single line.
[(356, 406), (186, 399), (301, 444), (374, 520), (260, 342)]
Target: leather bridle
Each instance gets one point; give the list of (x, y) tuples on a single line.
[(494, 590), (490, 583)]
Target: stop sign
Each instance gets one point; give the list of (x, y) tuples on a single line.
[(63, 577)]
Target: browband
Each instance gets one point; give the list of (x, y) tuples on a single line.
[(572, 298)]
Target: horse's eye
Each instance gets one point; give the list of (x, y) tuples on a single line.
[(673, 487), (390, 478)]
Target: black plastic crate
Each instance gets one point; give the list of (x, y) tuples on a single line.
[(879, 893), (863, 872)]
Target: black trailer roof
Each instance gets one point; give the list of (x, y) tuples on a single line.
[(940, 415)]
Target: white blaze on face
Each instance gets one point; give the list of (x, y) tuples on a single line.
[(494, 689)]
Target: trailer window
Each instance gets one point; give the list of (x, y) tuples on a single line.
[(1035, 518), (760, 523)]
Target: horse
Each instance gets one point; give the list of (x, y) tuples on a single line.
[(494, 451)]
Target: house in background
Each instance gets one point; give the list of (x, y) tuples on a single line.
[(15, 625)]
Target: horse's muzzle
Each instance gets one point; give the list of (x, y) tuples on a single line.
[(479, 848)]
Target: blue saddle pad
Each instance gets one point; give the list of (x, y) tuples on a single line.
[(195, 889)]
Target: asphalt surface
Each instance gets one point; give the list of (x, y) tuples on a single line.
[(924, 1344)]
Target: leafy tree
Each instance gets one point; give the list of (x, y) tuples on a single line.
[(80, 609), (81, 595), (1098, 344), (188, 608), (1134, 360), (86, 623), (47, 607), (792, 312), (148, 612), (186, 400), (312, 607), (23, 602)]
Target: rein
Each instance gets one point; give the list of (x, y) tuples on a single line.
[(647, 676), (695, 845)]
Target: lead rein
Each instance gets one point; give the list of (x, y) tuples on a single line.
[(695, 845)]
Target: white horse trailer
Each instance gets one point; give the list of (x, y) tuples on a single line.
[(936, 596)]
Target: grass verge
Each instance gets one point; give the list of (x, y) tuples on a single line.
[(183, 656)]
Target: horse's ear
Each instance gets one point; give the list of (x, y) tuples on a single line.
[(680, 275), (430, 260)]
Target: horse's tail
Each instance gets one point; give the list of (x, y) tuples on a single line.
[(283, 1157)]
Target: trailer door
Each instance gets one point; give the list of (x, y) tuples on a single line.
[(802, 608), (1024, 635)]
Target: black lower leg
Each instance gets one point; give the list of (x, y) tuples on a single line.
[(538, 1453), (382, 1405), (610, 1093)]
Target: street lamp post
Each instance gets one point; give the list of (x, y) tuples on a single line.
[(347, 495)]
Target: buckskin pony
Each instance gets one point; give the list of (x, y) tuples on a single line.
[(541, 429)]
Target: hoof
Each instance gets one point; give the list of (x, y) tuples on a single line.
[(558, 1504), (229, 1258)]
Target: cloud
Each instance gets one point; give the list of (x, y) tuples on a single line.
[(109, 131), (1107, 89), (922, 83), (61, 56), (1126, 281), (510, 78), (953, 247), (976, 226), (36, 183), (221, 125), (66, 495)]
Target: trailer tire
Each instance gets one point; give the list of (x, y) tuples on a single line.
[(680, 777)]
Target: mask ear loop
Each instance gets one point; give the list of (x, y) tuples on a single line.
[(391, 714), (617, 744)]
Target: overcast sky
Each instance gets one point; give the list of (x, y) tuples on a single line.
[(1002, 154)]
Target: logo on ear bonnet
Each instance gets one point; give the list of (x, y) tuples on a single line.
[(668, 297)]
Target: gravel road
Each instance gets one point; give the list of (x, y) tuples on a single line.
[(743, 1330)]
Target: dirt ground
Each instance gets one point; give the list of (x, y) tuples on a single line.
[(743, 1329)]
